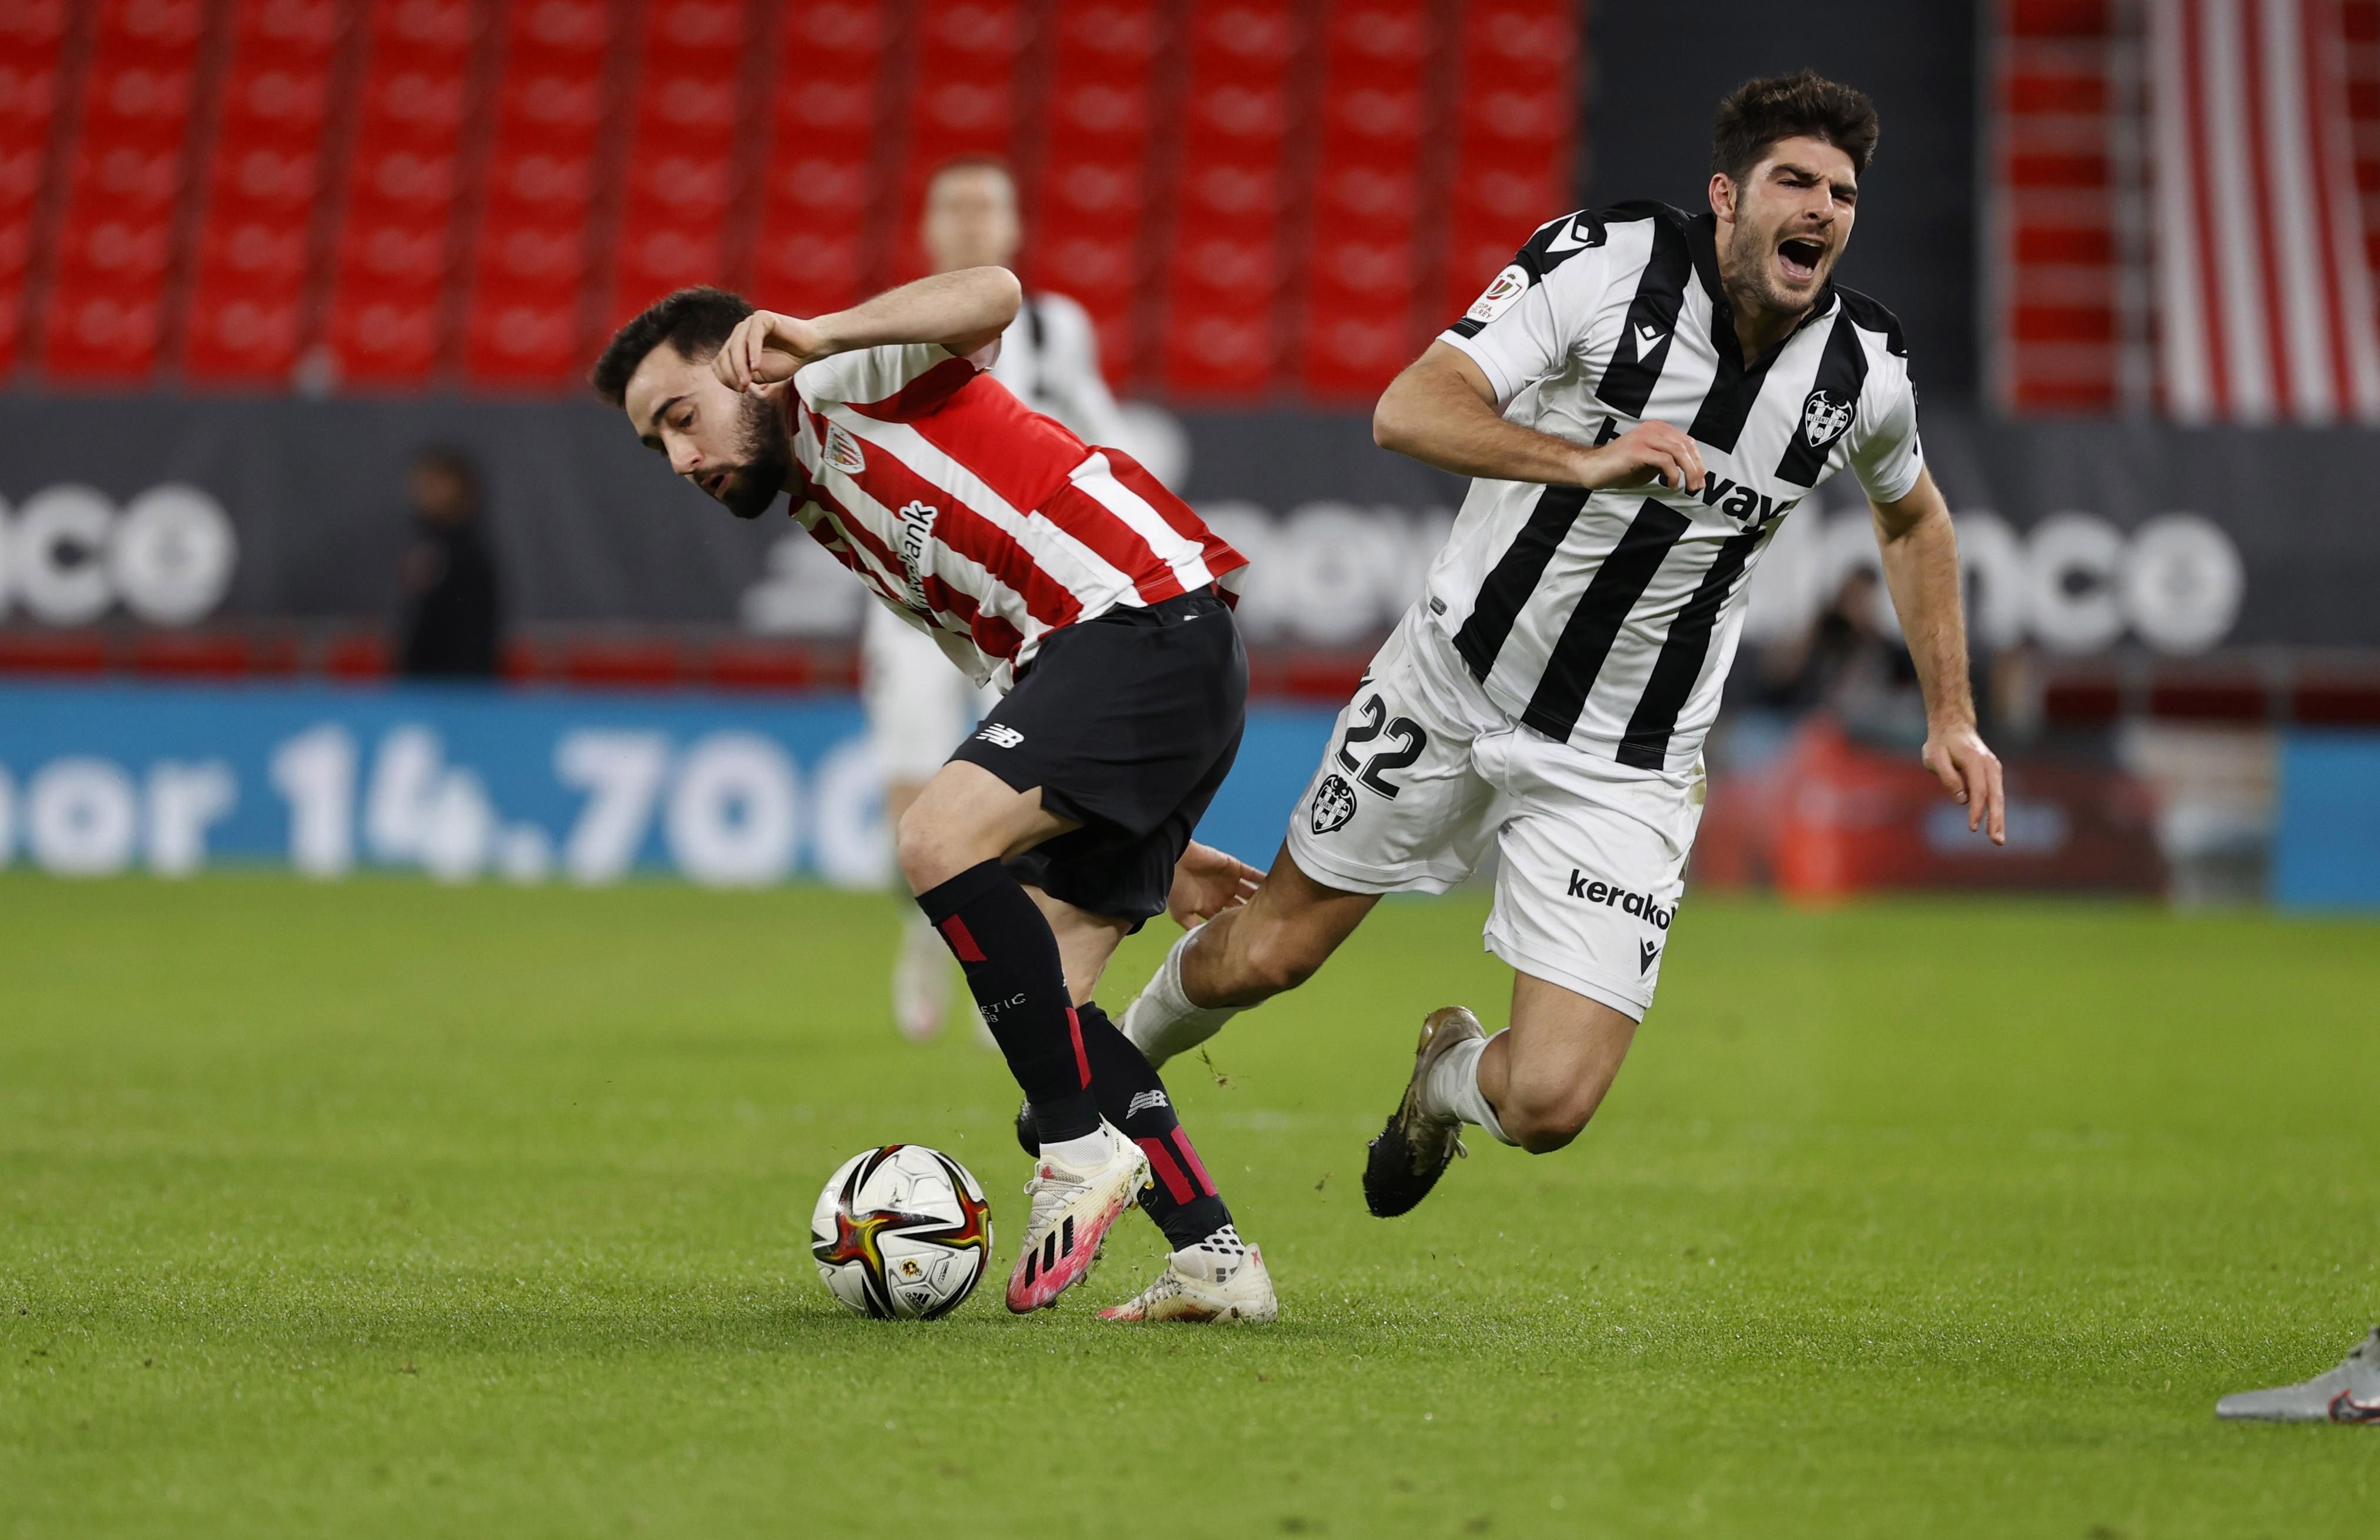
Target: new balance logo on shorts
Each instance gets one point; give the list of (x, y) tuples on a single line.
[(1143, 1101), (1611, 894), (999, 734)]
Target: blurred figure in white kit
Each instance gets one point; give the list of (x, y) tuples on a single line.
[(919, 706)]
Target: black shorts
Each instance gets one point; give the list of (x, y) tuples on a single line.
[(1127, 724)]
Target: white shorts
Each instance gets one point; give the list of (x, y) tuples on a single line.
[(919, 706), (1422, 770)]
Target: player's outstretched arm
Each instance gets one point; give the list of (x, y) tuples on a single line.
[(964, 311), (1443, 412), (1206, 881), (1921, 567)]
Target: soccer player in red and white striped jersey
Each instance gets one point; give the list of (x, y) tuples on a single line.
[(1067, 576)]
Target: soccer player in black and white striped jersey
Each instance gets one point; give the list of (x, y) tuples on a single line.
[(1641, 398)]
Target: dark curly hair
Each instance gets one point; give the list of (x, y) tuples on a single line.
[(694, 322), (1757, 113)]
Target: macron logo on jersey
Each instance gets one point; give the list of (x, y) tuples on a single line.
[(1571, 238)]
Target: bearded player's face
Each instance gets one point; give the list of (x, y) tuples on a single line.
[(1785, 225), (731, 446)]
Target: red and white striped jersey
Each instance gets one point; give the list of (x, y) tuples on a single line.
[(977, 519)]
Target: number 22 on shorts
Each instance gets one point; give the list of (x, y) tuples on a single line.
[(1411, 741)]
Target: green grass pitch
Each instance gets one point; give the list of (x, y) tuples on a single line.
[(390, 1209)]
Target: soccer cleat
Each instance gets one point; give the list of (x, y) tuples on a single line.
[(1073, 1212), (921, 982), (2349, 1393), (1415, 1147), (1205, 1283)]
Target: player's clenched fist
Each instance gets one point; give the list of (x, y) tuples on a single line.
[(1647, 453), (766, 348)]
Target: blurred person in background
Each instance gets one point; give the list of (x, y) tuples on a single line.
[(1848, 661), (453, 626), (918, 707)]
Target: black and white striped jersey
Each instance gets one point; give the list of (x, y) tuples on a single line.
[(1608, 619)]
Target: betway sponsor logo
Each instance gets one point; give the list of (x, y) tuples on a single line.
[(1740, 503), (1613, 895)]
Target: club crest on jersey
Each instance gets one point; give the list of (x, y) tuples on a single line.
[(843, 451), (1509, 284), (1334, 804), (1825, 417)]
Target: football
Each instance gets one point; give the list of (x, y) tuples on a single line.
[(901, 1232)]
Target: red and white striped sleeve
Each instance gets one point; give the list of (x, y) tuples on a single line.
[(894, 383)]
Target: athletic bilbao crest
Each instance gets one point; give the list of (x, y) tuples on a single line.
[(1334, 804), (843, 451), (1825, 417)]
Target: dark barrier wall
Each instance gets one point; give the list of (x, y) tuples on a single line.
[(1656, 74), (2081, 534)]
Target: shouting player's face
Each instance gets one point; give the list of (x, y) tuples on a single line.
[(733, 446), (1783, 227)]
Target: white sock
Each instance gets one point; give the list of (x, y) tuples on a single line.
[(1452, 1088), (1161, 1022), (1087, 1153)]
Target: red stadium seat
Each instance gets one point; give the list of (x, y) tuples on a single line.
[(385, 338), (531, 263), (281, 34), (522, 342), (1514, 121), (414, 109), (818, 176), (1224, 270), (1322, 219), (834, 118), (803, 270), (102, 319), (1095, 188), (962, 99), (1225, 350), (33, 37), (424, 34), (680, 170), (832, 192)]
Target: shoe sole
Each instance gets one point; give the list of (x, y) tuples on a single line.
[(1055, 1266)]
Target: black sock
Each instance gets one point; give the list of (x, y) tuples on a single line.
[(1182, 1197), (1019, 983)]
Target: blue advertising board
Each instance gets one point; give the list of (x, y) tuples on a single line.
[(2326, 848), (474, 783)]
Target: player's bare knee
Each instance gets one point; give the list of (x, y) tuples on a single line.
[(929, 849), (1542, 1124)]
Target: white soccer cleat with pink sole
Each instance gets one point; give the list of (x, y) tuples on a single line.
[(1073, 1211)]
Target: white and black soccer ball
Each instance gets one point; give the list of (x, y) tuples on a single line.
[(902, 1233)]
